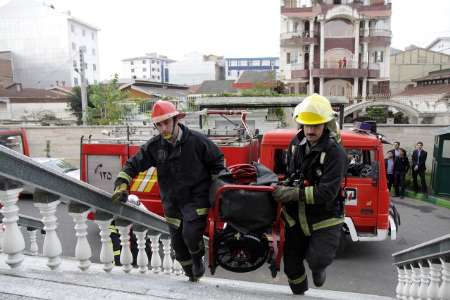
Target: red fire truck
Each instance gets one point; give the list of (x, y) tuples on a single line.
[(369, 213)]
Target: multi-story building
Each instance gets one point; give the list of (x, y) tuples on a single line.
[(195, 68), (414, 62), (441, 44), (234, 67), (45, 44), (335, 47), (151, 67)]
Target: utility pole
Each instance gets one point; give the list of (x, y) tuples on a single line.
[(84, 102)]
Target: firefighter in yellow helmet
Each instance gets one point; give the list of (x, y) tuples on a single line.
[(186, 161), (312, 196)]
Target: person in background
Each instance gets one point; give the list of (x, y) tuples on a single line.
[(401, 167), (389, 165), (419, 157)]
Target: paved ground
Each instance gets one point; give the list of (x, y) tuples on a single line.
[(363, 267)]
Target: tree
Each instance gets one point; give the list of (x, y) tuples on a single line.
[(75, 102), (108, 104)]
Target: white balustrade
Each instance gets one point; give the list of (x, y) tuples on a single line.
[(424, 280), (52, 246), (177, 268), (126, 258), (444, 290), (167, 261), (33, 241), (82, 249), (2, 230), (106, 252), (433, 288), (400, 283), (155, 262), (415, 283), (408, 281), (142, 259), (13, 242)]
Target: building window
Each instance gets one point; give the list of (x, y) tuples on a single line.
[(144, 69), (134, 77), (159, 70), (92, 35), (72, 28), (93, 51), (131, 62), (153, 76), (75, 81), (153, 61), (74, 63), (83, 32), (94, 67), (229, 73), (85, 66), (74, 46), (145, 76), (379, 56), (288, 58), (132, 70), (153, 69), (144, 61), (158, 77)]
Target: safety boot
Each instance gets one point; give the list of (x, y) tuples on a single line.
[(319, 277), (198, 266), (188, 272)]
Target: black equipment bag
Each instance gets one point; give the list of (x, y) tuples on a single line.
[(247, 211)]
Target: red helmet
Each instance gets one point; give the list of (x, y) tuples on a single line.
[(163, 110)]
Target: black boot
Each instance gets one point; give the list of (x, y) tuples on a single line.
[(198, 266), (319, 277), (188, 272)]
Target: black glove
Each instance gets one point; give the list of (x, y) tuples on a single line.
[(120, 193), (285, 194)]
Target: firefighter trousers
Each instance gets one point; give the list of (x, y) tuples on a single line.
[(187, 241), (319, 250)]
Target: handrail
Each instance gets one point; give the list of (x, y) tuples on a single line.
[(21, 168)]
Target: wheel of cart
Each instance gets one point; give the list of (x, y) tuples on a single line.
[(243, 252)]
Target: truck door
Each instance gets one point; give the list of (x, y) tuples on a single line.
[(361, 189)]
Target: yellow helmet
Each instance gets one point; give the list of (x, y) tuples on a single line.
[(313, 110)]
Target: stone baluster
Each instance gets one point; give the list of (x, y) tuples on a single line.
[(167, 261), (444, 290), (414, 289), (400, 283), (47, 204), (156, 258), (142, 259), (177, 268), (32, 233), (126, 257), (103, 220), (408, 281), (2, 230), (435, 272), (82, 249), (13, 242), (424, 279)]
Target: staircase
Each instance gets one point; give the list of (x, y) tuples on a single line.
[(35, 281)]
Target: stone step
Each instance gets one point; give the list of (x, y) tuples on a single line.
[(35, 281)]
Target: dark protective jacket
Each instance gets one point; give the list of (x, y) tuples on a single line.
[(320, 171), (184, 172)]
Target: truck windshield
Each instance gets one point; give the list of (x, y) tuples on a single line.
[(12, 141)]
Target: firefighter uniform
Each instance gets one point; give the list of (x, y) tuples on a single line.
[(185, 170), (313, 200), (313, 224)]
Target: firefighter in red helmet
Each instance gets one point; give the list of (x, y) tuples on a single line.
[(186, 161)]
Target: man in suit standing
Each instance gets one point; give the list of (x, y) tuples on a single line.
[(418, 167)]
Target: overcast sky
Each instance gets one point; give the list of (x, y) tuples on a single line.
[(233, 28)]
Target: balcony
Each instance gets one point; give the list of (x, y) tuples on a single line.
[(377, 36), (295, 71), (295, 39), (339, 69)]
